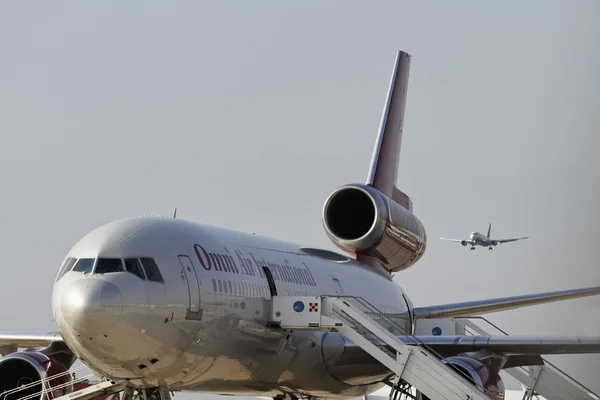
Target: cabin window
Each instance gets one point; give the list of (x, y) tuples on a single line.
[(84, 265), (220, 287), (66, 267), (133, 265), (214, 286), (229, 284), (108, 265), (152, 271)]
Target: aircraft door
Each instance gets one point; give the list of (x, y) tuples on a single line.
[(270, 281), (192, 281)]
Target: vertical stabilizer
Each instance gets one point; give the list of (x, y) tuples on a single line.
[(384, 163), (489, 230)]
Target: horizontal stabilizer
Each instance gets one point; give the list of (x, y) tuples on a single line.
[(474, 308)]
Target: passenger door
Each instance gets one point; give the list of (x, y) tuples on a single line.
[(192, 281)]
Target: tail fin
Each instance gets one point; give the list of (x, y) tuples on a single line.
[(384, 163), (489, 231)]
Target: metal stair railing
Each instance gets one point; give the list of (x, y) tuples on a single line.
[(425, 360), (529, 374)]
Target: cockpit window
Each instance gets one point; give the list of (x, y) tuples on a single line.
[(108, 265), (133, 265), (151, 269), (84, 265), (69, 262)]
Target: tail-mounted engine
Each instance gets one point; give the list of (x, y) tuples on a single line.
[(33, 376), (361, 220)]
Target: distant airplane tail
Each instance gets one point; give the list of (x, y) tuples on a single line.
[(489, 231)]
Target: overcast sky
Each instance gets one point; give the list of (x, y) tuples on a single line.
[(249, 114)]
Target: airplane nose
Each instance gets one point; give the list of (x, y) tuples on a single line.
[(91, 306)]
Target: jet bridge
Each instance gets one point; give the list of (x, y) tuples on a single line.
[(417, 366)]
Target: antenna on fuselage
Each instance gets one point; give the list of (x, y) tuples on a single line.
[(175, 213)]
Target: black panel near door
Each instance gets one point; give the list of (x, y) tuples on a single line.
[(270, 281)]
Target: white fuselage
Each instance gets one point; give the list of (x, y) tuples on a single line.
[(204, 328)]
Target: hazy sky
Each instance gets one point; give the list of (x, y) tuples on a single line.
[(249, 114)]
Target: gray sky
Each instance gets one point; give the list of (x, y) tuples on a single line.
[(248, 115)]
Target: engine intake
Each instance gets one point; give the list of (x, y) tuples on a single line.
[(360, 219), (25, 375)]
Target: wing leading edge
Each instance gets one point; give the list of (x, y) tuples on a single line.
[(509, 345), (459, 240), (11, 341), (510, 240), (472, 308)]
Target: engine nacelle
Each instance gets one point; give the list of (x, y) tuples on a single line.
[(29, 375), (463, 242), (494, 243), (360, 219), (478, 374)]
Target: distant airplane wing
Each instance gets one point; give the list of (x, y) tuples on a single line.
[(459, 240), (510, 240)]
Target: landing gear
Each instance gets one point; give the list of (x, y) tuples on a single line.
[(490, 248), (155, 393), (472, 247)]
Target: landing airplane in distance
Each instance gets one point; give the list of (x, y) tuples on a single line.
[(479, 239), (156, 305)]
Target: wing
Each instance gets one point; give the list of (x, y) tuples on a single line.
[(510, 240), (459, 240), (11, 341), (509, 345), (470, 308), (519, 350)]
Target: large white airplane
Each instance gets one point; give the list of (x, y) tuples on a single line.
[(479, 239), (165, 304)]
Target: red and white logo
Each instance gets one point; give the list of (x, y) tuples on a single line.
[(313, 307)]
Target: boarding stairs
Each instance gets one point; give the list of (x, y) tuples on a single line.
[(416, 366), (547, 381)]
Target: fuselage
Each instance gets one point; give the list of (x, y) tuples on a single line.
[(200, 322), (480, 239)]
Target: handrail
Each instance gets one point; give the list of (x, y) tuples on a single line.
[(545, 361), (45, 387), (417, 341)]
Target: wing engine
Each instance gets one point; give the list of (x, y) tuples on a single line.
[(34, 376), (478, 373)]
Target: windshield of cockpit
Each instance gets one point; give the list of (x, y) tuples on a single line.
[(143, 267)]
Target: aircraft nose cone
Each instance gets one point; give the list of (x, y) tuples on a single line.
[(91, 306)]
